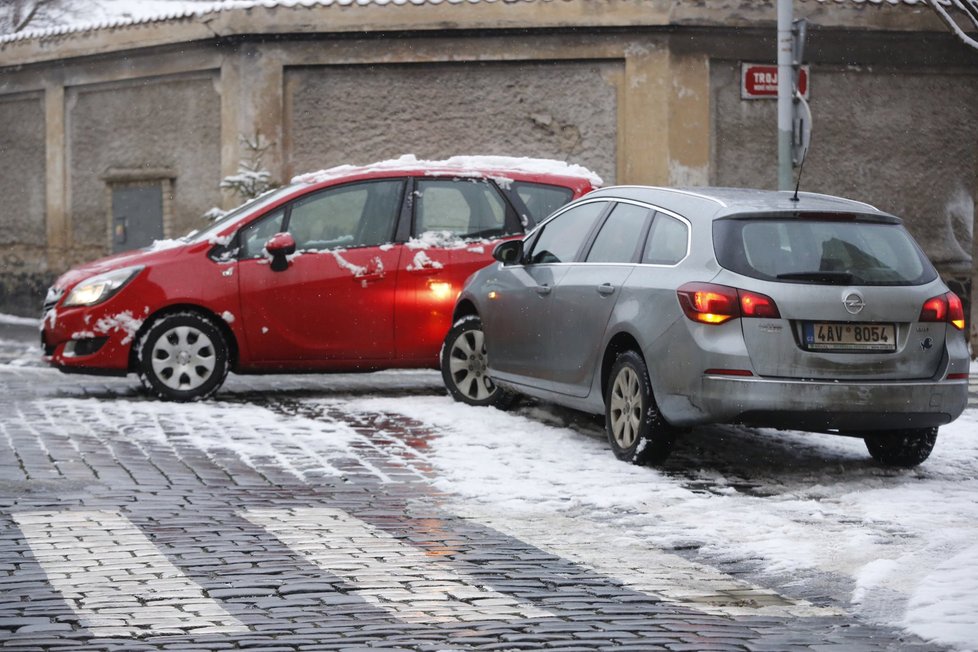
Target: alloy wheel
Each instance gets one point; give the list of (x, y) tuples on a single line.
[(626, 408), (467, 365)]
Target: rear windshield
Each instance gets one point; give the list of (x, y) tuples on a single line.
[(831, 252)]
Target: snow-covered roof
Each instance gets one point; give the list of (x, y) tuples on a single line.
[(460, 165), (109, 14)]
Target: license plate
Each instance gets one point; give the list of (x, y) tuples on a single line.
[(836, 336)]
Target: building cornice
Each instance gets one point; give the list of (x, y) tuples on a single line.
[(259, 18)]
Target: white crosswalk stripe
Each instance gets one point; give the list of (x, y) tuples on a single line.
[(119, 584), (395, 576), (115, 579), (643, 568)]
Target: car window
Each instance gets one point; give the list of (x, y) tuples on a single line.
[(541, 199), (561, 238), (353, 215), (620, 235), (668, 241), (467, 208), (837, 251), (254, 235)]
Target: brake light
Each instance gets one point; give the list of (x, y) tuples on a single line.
[(757, 305), (955, 312), (944, 308), (709, 303)]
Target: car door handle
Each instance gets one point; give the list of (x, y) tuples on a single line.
[(605, 289), (543, 290)]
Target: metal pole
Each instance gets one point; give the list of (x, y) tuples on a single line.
[(785, 16)]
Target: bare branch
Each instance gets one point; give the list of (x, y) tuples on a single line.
[(969, 8), (23, 15)]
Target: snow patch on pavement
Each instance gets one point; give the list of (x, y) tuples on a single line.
[(845, 516)]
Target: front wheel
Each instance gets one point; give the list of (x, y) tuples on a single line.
[(901, 448), (182, 357), (636, 430), (463, 366)]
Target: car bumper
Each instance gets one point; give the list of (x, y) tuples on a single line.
[(820, 406), (87, 341)]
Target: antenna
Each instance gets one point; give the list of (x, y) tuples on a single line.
[(801, 137), (801, 168)]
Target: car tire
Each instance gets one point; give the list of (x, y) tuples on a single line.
[(901, 448), (182, 357), (464, 364), (636, 429)]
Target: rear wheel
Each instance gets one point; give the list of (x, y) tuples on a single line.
[(182, 357), (463, 366), (636, 430), (901, 448)]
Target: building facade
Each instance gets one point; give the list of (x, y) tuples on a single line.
[(116, 133)]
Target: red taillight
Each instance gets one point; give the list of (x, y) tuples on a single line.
[(944, 308), (757, 305), (709, 303), (955, 311)]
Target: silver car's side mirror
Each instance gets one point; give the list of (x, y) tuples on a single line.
[(509, 253)]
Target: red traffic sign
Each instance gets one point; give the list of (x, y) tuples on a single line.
[(760, 81)]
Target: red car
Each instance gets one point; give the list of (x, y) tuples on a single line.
[(349, 269)]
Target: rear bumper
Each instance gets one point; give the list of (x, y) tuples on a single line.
[(821, 406)]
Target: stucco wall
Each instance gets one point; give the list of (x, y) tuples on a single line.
[(22, 162), (563, 110), (904, 142), (172, 122)]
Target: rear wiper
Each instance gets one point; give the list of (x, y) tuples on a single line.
[(832, 278)]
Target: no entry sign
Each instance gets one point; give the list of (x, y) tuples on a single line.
[(760, 81)]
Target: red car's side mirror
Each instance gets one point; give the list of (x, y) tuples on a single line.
[(279, 247)]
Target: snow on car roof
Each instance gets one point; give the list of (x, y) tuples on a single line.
[(460, 166)]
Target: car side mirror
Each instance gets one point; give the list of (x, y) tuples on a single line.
[(509, 252), (279, 247)]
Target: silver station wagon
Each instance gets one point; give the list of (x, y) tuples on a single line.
[(666, 309)]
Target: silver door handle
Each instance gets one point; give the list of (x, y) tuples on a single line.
[(543, 290), (605, 289)]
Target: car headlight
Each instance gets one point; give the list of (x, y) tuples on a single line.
[(99, 288)]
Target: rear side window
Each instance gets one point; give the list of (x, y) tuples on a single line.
[(839, 252), (619, 237), (467, 208), (541, 199), (668, 241)]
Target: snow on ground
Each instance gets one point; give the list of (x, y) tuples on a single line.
[(905, 539), (19, 321), (901, 547)]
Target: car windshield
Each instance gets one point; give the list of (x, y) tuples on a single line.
[(250, 206), (823, 251)]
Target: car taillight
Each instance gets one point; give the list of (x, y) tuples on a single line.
[(753, 304), (709, 303), (944, 308)]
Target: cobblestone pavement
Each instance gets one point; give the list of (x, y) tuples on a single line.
[(121, 530)]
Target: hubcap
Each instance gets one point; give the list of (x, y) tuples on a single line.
[(467, 364), (626, 408), (183, 358)]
